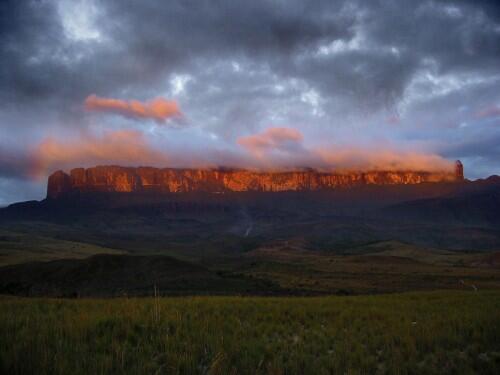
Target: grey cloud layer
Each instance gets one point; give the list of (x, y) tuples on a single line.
[(330, 68), (141, 41)]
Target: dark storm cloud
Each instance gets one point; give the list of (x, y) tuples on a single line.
[(332, 68), (34, 53), (364, 53), (190, 28), (142, 41)]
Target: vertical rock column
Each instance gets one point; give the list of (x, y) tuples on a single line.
[(59, 183), (459, 170)]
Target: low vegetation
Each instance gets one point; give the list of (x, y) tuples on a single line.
[(19, 247), (426, 332)]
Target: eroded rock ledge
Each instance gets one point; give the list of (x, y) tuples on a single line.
[(143, 179)]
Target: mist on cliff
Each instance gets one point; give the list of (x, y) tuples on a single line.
[(274, 149)]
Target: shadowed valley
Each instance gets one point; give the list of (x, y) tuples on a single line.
[(363, 237)]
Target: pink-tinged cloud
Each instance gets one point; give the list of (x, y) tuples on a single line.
[(124, 147), (393, 120), (158, 109), (271, 139), (284, 148), (273, 149), (380, 159), (493, 111)]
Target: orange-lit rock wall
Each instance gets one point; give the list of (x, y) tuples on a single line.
[(125, 179)]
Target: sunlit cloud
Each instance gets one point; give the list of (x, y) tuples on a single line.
[(273, 149), (286, 148), (124, 147), (158, 109), (489, 112), (271, 139), (381, 159)]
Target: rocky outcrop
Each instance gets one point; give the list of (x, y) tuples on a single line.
[(459, 170), (59, 183), (168, 180)]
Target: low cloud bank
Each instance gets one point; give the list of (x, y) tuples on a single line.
[(273, 149), (284, 139), (124, 147), (286, 148)]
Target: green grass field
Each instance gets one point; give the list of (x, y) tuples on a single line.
[(412, 333)]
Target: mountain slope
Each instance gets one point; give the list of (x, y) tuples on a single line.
[(479, 204), (118, 275)]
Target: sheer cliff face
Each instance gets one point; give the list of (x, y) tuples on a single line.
[(143, 179)]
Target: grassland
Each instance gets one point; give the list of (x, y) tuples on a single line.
[(425, 333), (380, 267), (19, 247), (285, 267)]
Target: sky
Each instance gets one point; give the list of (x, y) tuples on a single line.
[(276, 84)]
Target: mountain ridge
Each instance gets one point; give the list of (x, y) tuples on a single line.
[(143, 179)]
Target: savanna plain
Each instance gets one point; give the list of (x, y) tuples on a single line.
[(409, 333)]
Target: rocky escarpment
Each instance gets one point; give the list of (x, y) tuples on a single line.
[(168, 180)]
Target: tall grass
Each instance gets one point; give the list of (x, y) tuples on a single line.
[(424, 333)]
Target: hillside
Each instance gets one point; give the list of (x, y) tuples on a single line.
[(361, 239), (121, 275)]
